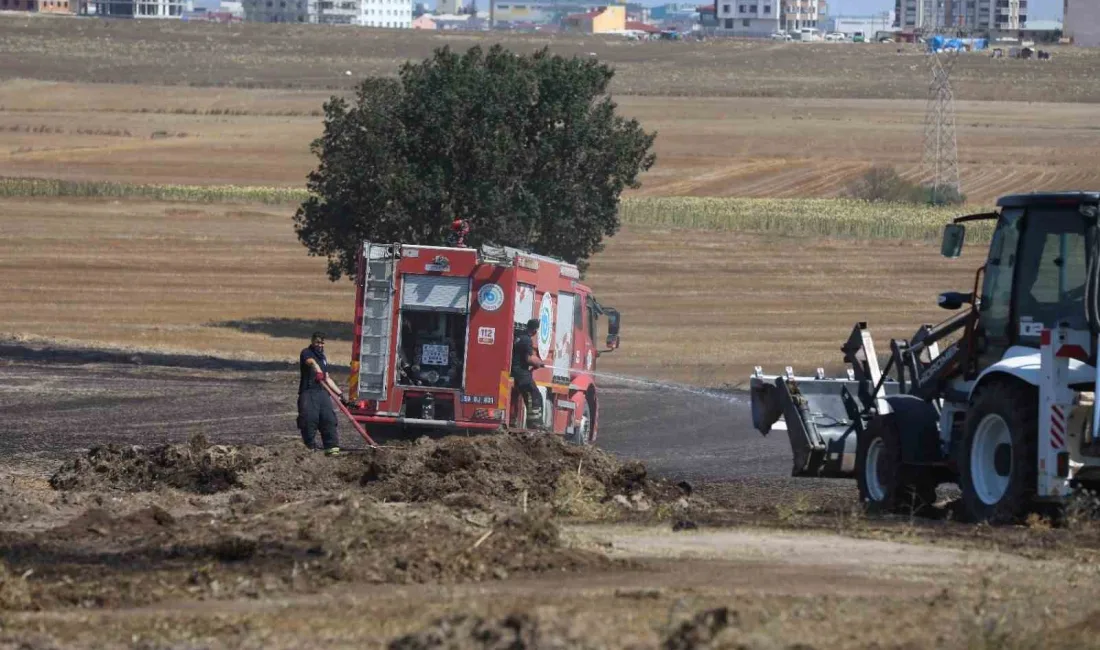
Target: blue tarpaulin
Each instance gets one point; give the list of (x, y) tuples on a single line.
[(939, 43)]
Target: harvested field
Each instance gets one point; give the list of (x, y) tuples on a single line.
[(242, 538), (706, 146), (231, 279), (256, 55)]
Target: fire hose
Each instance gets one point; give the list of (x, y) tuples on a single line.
[(358, 427)]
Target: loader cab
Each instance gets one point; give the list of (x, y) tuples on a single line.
[(1035, 271)]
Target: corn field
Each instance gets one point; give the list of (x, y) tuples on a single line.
[(798, 217), (45, 187)]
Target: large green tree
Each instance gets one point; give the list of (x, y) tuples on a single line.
[(527, 148)]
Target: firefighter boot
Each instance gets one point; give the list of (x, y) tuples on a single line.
[(534, 419)]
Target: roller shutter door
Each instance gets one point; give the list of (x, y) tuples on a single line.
[(435, 293)]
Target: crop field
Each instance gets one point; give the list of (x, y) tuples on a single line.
[(149, 171), (231, 278), (711, 146), (259, 55)]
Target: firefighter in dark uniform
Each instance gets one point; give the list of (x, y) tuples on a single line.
[(524, 361), (315, 409)]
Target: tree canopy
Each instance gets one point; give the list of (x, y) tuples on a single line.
[(528, 149)]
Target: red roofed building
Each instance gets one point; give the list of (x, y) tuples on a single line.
[(642, 27), (600, 21)]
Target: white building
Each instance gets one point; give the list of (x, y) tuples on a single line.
[(1082, 22), (395, 14), (978, 15), (798, 14), (367, 13), (276, 11), (756, 18), (174, 9), (868, 25)]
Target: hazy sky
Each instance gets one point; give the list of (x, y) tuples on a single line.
[(1036, 8)]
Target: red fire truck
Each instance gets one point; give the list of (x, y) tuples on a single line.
[(434, 328)]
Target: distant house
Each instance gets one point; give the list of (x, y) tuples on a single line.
[(457, 21), (515, 13), (424, 21), (760, 18), (56, 7), (603, 20), (637, 26)]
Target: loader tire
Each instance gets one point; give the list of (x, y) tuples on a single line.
[(886, 484), (997, 460)]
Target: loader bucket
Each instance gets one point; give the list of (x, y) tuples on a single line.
[(812, 410)]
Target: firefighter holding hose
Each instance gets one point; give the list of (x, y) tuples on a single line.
[(315, 409), (524, 360)]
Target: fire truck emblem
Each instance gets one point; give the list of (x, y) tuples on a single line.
[(490, 297), (546, 325)]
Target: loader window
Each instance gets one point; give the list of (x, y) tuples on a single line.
[(1051, 278), (997, 290)]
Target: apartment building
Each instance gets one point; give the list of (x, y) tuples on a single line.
[(167, 9), (757, 18), (396, 14), (978, 15), (801, 13), (1082, 22)]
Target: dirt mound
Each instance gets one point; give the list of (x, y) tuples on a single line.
[(464, 632), (99, 522), (101, 559), (480, 472), (195, 467), (508, 469), (701, 631)]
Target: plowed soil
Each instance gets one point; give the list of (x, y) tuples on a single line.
[(137, 525), (508, 541)]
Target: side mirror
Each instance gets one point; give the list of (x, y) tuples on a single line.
[(613, 322), (953, 300), (954, 234)]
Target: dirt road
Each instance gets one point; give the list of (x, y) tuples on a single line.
[(57, 402)]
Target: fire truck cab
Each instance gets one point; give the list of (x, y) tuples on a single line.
[(434, 328)]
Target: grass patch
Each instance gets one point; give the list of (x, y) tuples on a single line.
[(53, 188), (850, 218), (803, 217)]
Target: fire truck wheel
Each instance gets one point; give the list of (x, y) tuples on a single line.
[(886, 484), (582, 433), (997, 458)]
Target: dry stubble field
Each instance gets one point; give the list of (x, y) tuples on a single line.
[(706, 146), (177, 103), (698, 306)]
